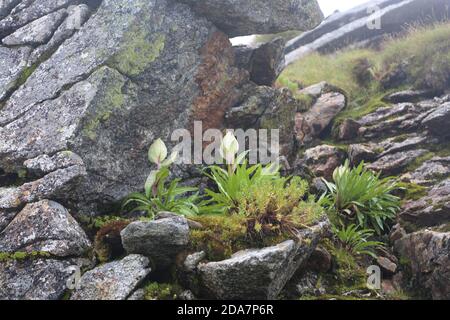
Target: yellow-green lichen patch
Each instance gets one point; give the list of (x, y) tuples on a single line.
[(109, 99), (21, 255), (138, 52)]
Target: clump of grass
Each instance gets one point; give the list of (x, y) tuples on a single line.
[(427, 51), (336, 69)]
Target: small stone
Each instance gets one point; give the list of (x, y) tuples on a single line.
[(114, 280), (260, 273), (45, 226), (361, 152), (323, 159), (161, 240), (438, 121), (34, 279), (348, 130), (386, 265), (311, 124), (409, 96)]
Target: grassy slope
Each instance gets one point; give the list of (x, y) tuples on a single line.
[(426, 51)]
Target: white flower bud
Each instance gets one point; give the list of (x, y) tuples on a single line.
[(157, 152), (229, 147)]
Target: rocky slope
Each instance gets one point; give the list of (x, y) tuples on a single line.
[(407, 138)]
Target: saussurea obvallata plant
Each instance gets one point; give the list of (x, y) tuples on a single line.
[(160, 195)]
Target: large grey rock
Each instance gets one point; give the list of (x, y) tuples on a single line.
[(439, 120), (430, 172), (55, 185), (41, 279), (27, 11), (311, 124), (16, 60), (114, 86), (396, 120), (428, 211), (45, 226), (428, 253), (245, 17), (260, 273), (358, 25), (323, 159), (396, 163), (37, 32), (77, 15), (160, 240), (267, 108), (113, 281)]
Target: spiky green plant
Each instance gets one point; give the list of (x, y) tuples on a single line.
[(357, 241), (160, 195), (361, 196)]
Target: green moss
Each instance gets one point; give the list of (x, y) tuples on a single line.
[(26, 73), (348, 275), (412, 191), (399, 295), (419, 161), (339, 145), (161, 291), (443, 228), (21, 255), (400, 138), (359, 108), (22, 173), (221, 235), (140, 50)]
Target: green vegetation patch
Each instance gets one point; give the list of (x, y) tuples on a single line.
[(161, 291), (21, 255)]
